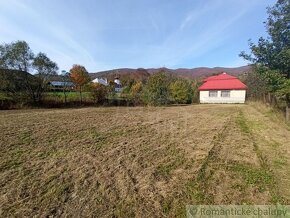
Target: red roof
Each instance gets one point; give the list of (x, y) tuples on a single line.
[(222, 82), (223, 76)]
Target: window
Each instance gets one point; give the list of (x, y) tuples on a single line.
[(225, 94), (212, 94)]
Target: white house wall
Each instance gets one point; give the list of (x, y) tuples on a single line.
[(236, 96)]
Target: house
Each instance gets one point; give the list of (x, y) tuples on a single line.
[(60, 85), (101, 81), (222, 88), (104, 81), (118, 85)]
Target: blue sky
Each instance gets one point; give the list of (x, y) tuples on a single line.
[(111, 34)]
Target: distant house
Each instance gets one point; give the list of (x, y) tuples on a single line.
[(59, 85), (101, 81), (222, 88), (104, 81), (118, 85)]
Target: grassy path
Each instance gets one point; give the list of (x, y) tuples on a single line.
[(272, 137)]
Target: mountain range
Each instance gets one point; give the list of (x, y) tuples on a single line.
[(193, 73)]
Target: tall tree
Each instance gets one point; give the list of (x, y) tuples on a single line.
[(16, 55), (45, 68), (272, 55), (80, 77), (274, 51), (65, 78)]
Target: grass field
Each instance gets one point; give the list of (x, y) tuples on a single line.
[(71, 96), (144, 162)]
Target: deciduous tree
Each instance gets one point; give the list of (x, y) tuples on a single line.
[(136, 92), (80, 77), (157, 91), (16, 55), (181, 91), (45, 68), (272, 55), (99, 92), (65, 78)]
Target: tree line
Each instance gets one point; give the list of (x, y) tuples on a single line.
[(25, 79), (159, 89)]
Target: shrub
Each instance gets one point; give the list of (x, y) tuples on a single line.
[(136, 92), (157, 91), (181, 91), (18, 86), (195, 92), (99, 92)]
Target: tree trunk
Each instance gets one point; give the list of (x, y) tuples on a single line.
[(64, 93), (264, 98), (81, 95), (270, 99), (288, 112), (288, 107)]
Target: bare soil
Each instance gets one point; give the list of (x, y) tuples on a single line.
[(142, 161)]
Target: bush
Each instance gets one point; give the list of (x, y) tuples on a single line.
[(181, 91), (195, 92), (157, 90), (99, 92), (18, 86), (136, 92)]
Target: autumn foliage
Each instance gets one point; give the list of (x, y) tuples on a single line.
[(99, 92), (80, 77)]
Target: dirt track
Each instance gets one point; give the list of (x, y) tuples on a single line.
[(144, 162)]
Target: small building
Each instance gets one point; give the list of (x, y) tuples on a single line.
[(118, 85), (60, 85), (101, 81), (222, 88), (104, 81)]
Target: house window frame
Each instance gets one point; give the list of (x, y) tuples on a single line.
[(225, 91), (210, 92)]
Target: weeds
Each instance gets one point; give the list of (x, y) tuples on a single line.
[(252, 176), (242, 123)]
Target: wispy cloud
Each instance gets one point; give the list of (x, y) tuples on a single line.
[(147, 33)]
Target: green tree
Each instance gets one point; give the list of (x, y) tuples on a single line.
[(65, 78), (157, 90), (274, 52), (272, 55), (111, 89), (181, 91), (256, 83), (195, 95), (16, 55), (45, 68), (18, 85)]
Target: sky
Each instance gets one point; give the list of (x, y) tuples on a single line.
[(110, 34)]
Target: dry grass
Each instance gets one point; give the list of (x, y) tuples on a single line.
[(144, 162)]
